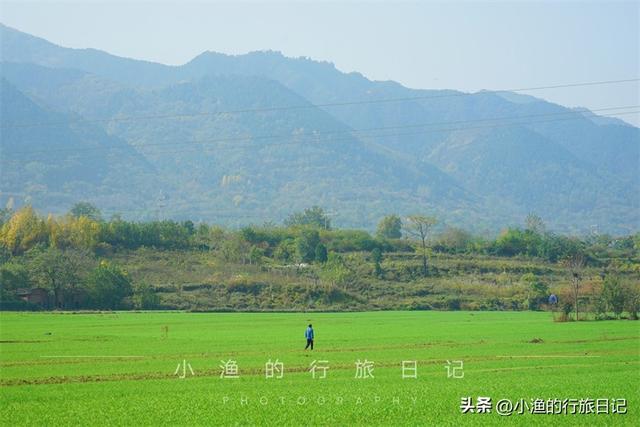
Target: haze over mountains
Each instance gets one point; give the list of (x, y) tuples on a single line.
[(148, 140)]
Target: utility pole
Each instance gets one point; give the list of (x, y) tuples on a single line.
[(326, 219), (576, 263), (160, 204)]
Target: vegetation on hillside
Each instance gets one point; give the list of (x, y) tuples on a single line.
[(86, 262)]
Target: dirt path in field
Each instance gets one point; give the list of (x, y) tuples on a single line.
[(536, 344), (63, 360), (215, 373)]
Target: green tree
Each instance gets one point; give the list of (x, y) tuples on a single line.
[(108, 286), (145, 297), (255, 255), (390, 227), (335, 270), (454, 240), (537, 290), (419, 227), (321, 253), (376, 256), (613, 294), (306, 244), (59, 271), (234, 248), (86, 209), (632, 300), (566, 309), (202, 237), (286, 250), (314, 216), (12, 276), (510, 242)]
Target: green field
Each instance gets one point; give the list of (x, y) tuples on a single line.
[(118, 368)]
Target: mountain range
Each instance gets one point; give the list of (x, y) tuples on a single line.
[(251, 138)]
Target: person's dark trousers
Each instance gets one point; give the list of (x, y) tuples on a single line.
[(309, 343)]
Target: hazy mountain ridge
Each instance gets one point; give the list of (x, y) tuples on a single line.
[(52, 167), (186, 157), (258, 166)]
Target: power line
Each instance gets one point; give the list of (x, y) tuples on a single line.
[(187, 204), (311, 106), (349, 138), (253, 146), (319, 134)]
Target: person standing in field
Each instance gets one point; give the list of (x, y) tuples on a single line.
[(308, 334)]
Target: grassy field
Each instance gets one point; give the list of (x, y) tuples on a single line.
[(119, 368)]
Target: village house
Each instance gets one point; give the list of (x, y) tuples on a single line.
[(36, 296)]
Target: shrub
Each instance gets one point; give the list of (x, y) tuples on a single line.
[(453, 304), (144, 297), (108, 286), (242, 285)]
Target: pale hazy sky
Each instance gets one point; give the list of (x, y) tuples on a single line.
[(460, 45)]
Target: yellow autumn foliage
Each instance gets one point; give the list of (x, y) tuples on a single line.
[(24, 230), (69, 231)]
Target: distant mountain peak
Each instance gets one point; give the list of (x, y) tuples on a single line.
[(376, 147)]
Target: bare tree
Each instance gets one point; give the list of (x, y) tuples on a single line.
[(419, 227), (575, 263), (535, 224)]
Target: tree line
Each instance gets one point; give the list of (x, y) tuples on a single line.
[(62, 253)]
